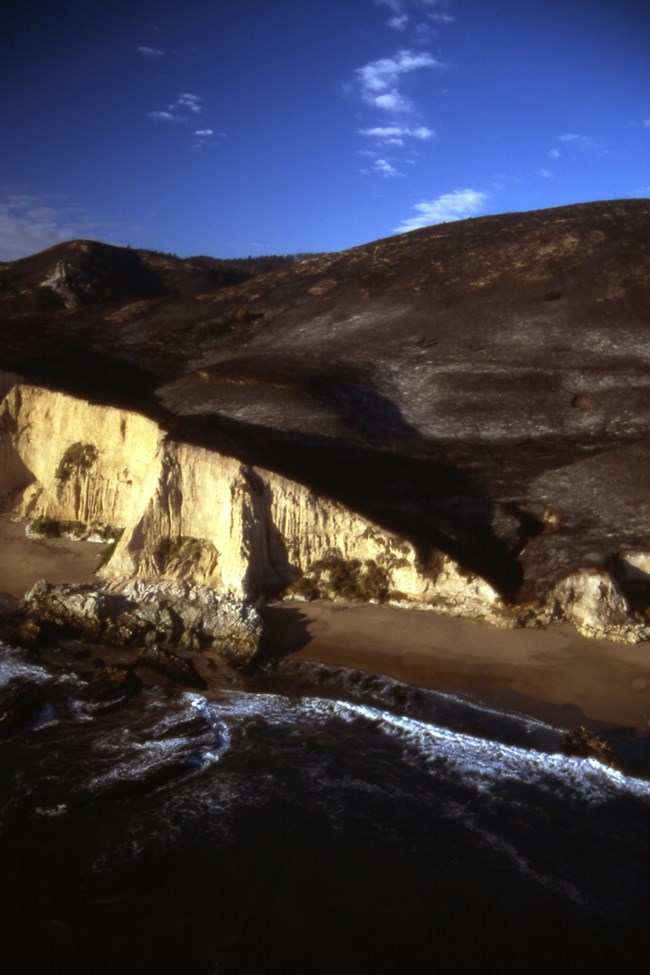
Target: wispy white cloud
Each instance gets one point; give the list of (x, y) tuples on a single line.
[(404, 11), (576, 139), (424, 32), (377, 81), (382, 84), (442, 18), (646, 123), (394, 102), (191, 102), (572, 140), (394, 5), (381, 75), (183, 109), (382, 167), (395, 134), (150, 52), (31, 223), (441, 14), (457, 205), (204, 137), (544, 173)]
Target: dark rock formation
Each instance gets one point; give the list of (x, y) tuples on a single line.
[(18, 703), (180, 615), (583, 744), (181, 671), (112, 685)]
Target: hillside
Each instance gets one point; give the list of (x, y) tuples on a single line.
[(80, 273), (480, 389)]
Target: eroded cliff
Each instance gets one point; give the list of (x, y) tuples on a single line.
[(190, 514), (199, 526)]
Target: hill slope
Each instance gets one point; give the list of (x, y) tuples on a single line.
[(481, 388)]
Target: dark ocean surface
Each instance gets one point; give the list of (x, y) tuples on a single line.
[(318, 820)]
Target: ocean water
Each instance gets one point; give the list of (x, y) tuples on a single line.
[(315, 820)]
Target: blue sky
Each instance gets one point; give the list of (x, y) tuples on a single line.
[(250, 127)]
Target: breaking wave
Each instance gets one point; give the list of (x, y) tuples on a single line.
[(315, 799)]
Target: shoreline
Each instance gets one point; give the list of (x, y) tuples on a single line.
[(554, 674), (23, 561)]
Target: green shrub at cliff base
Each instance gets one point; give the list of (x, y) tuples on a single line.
[(180, 548), (53, 528), (346, 578), (108, 533), (106, 554), (306, 587), (77, 459)]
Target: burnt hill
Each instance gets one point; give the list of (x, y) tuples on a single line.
[(83, 272), (481, 387)]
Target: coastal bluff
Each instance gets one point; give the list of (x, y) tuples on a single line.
[(191, 520), (191, 527)]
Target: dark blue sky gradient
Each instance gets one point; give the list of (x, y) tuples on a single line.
[(498, 106)]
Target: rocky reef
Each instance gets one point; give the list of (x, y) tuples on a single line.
[(153, 617)]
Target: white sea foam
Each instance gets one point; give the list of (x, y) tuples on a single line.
[(484, 762), (514, 801), (358, 764), (15, 663), (351, 760)]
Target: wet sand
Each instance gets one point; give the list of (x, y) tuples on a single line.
[(554, 674), (24, 561)]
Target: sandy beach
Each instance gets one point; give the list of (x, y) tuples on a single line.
[(554, 674), (24, 561)]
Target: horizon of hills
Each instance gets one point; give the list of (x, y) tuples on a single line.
[(466, 385), (81, 272)]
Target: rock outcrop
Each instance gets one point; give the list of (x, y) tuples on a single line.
[(158, 616)]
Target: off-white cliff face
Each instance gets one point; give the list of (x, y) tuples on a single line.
[(192, 514), (195, 516), (37, 427)]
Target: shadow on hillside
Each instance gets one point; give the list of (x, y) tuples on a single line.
[(92, 374)]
